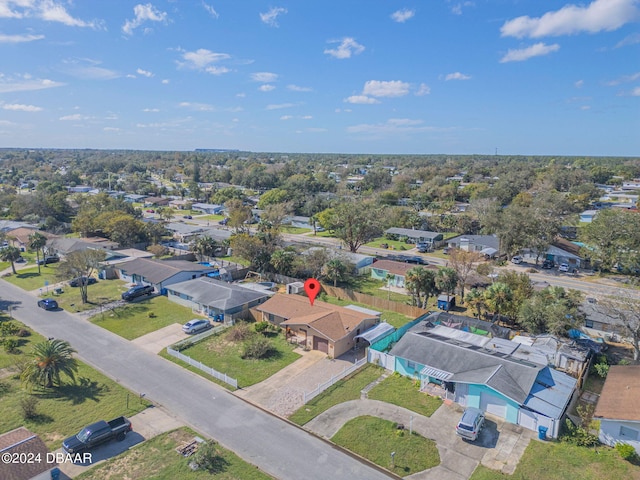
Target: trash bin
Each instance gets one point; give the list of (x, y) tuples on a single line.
[(55, 473), (542, 433)]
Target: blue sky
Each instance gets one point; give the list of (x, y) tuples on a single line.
[(350, 76)]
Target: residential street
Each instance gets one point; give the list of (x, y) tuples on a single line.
[(275, 446)]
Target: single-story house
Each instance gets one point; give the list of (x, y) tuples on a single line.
[(598, 322), (488, 245), (134, 198), (179, 203), (564, 251), (588, 215), (161, 273), (21, 443), (80, 189), (7, 226), (301, 222), (482, 372), (184, 232), (208, 208), (214, 297), (65, 245), (328, 328), (19, 237), (618, 409), (156, 201), (565, 355), (361, 262), (397, 270), (433, 239)]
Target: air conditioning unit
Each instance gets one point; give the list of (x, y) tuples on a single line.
[(295, 287)]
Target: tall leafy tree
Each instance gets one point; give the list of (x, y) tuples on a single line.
[(204, 246), (282, 261), (421, 283), (50, 360), (37, 242), (463, 262), (10, 254), (475, 300), (81, 263), (336, 270), (552, 310), (355, 222), (446, 280), (497, 297)]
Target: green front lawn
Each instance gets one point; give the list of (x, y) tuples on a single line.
[(25, 345), (158, 459), (400, 245), (30, 279), (375, 439), (223, 354), (561, 461), (294, 230), (402, 391), (63, 411), (133, 320), (346, 389), (101, 293)]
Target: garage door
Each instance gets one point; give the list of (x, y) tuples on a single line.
[(321, 344), (494, 405), (528, 419)]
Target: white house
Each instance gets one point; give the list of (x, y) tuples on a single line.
[(618, 409)]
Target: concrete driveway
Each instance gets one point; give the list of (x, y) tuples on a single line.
[(283, 392), (157, 341), (499, 446)]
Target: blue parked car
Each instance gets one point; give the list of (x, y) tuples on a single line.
[(48, 304)]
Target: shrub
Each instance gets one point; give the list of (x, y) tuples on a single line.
[(208, 458), (23, 332), (29, 407), (10, 345), (262, 327), (239, 332), (578, 435), (257, 348), (626, 451), (8, 328), (152, 315)]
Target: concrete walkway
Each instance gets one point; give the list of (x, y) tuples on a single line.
[(499, 446), (158, 340)]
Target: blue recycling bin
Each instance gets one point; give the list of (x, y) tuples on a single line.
[(542, 433), (55, 473)]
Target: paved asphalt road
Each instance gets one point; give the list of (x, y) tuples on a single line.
[(280, 449)]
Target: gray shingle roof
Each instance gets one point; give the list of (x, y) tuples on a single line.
[(468, 363), (157, 271), (214, 293)]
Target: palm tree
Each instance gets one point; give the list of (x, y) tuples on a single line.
[(10, 254), (420, 281), (497, 296), (475, 299), (447, 279), (50, 359), (205, 247), (389, 278), (37, 242), (335, 270)]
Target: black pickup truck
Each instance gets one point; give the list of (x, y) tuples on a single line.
[(97, 433)]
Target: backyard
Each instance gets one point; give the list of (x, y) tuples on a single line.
[(230, 352), (61, 411), (158, 459), (133, 320), (393, 318), (381, 442)]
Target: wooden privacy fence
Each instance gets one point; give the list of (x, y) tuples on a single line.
[(375, 302), (335, 378)]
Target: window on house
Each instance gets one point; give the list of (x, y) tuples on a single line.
[(411, 365), (588, 323), (628, 433)]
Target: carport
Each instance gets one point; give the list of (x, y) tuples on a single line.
[(375, 333)]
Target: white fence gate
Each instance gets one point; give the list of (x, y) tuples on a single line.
[(383, 359), (334, 379)]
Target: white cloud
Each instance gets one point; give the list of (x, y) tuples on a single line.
[(144, 73), (348, 46), (423, 89), (111, 129), (151, 110), (585, 107), (55, 12), (632, 39), (286, 117), (377, 88), (271, 17), (266, 87), (307, 117), (403, 15), (392, 126), (600, 15), (89, 69), (280, 105), (166, 81), (624, 79), (216, 70), (296, 88), (143, 13), (19, 38), (361, 100), (198, 107), (579, 83), (17, 107), (635, 92), (201, 59), (211, 10), (73, 118), (264, 77), (457, 76), (457, 8), (537, 50), (26, 83)]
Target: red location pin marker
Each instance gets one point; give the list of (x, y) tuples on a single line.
[(312, 287)]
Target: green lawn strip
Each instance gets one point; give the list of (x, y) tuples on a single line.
[(158, 459), (374, 439), (133, 320), (376, 288), (403, 392), (211, 218), (561, 461), (346, 389), (400, 245), (4, 265), (101, 293), (29, 278), (393, 318), (238, 260), (25, 345), (294, 230), (65, 410), (225, 356), (195, 370)]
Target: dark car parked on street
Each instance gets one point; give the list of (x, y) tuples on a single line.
[(48, 304), (49, 259), (547, 264), (137, 291), (76, 282)]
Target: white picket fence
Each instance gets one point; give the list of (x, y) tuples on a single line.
[(201, 366), (334, 379)]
